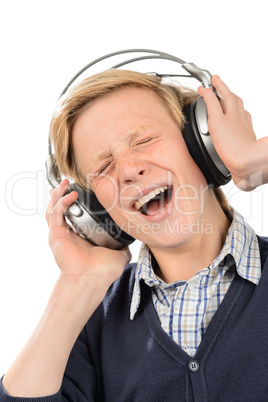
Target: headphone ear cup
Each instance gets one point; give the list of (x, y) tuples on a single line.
[(96, 223), (213, 169)]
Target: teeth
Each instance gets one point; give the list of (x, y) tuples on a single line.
[(141, 201)]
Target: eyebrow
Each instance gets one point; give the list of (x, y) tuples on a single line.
[(129, 138), (100, 156)]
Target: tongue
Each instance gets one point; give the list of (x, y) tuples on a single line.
[(155, 206)]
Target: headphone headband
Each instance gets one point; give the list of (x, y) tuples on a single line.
[(201, 75)]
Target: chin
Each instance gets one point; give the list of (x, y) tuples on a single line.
[(171, 242), (164, 238), (176, 234)]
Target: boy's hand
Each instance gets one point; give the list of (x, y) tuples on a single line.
[(231, 129), (75, 256)]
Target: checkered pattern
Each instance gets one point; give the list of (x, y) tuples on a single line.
[(185, 309)]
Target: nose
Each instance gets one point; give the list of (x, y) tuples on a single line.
[(132, 169)]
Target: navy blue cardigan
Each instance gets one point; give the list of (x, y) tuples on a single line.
[(118, 360)]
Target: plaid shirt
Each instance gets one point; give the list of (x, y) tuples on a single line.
[(185, 309)]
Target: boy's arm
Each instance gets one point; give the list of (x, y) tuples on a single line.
[(231, 129), (86, 274)]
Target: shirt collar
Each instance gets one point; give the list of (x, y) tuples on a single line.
[(241, 243)]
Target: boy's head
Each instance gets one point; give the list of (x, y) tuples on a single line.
[(121, 130)]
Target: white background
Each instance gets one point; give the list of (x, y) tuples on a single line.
[(43, 44)]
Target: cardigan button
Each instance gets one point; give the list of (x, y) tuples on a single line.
[(193, 366)]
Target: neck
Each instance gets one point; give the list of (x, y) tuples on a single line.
[(198, 252)]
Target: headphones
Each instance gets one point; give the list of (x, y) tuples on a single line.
[(87, 216)]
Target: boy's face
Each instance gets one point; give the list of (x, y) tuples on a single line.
[(128, 146)]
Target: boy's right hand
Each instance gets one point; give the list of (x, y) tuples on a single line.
[(76, 257)]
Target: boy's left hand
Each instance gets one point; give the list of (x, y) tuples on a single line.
[(231, 129)]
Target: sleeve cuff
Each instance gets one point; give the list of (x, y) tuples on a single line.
[(5, 397)]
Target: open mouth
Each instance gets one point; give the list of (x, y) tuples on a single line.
[(154, 202)]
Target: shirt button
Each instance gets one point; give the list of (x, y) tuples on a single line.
[(193, 366)]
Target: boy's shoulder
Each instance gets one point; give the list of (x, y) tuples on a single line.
[(125, 283), (118, 297)]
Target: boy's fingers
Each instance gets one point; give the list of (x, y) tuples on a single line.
[(212, 102), (56, 217), (58, 204), (56, 194), (231, 104)]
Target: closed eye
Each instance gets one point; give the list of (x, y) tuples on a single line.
[(103, 168), (144, 141)]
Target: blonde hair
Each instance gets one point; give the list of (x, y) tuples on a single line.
[(78, 98)]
